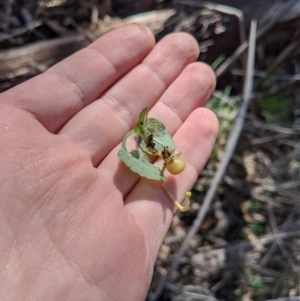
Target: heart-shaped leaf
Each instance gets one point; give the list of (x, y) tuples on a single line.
[(137, 161), (161, 137)]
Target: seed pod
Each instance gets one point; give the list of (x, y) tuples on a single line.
[(176, 166)]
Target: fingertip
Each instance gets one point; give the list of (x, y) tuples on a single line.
[(143, 29), (206, 120), (183, 42), (133, 33), (198, 134), (203, 76), (208, 75)]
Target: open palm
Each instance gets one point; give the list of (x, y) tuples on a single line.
[(75, 223)]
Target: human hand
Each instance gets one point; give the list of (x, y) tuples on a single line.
[(75, 222)]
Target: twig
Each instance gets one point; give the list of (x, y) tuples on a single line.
[(264, 240), (276, 128), (284, 54), (56, 49), (262, 74), (239, 51), (279, 241), (229, 61), (285, 227), (19, 31), (230, 147), (270, 138), (229, 10), (291, 298), (91, 37), (269, 22)]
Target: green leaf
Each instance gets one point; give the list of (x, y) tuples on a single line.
[(276, 108), (142, 122), (256, 282), (218, 61), (137, 161), (161, 139)]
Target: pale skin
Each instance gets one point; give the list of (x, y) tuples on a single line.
[(75, 223)]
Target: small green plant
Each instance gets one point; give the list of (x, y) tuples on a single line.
[(154, 140)]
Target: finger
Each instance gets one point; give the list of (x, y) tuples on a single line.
[(189, 91), (148, 203), (58, 94), (101, 126)]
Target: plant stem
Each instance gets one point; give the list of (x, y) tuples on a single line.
[(126, 137), (186, 203)]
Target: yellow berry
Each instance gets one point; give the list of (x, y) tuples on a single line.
[(176, 166), (188, 194)]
